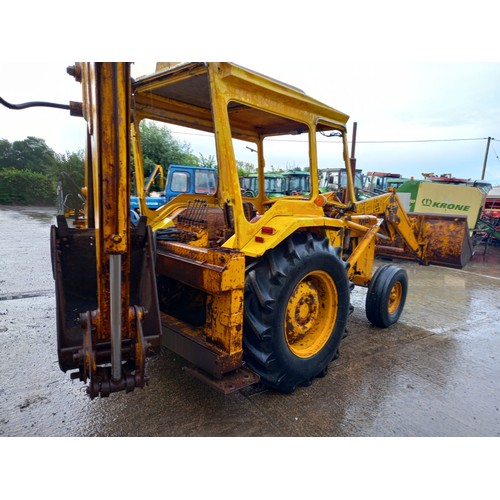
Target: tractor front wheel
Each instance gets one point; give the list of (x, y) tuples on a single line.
[(386, 296)]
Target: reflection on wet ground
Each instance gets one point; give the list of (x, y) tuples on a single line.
[(435, 373), (486, 260)]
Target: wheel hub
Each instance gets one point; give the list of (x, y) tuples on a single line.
[(304, 304), (395, 297), (310, 314)]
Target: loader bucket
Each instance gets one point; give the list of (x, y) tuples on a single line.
[(445, 241), (74, 270)]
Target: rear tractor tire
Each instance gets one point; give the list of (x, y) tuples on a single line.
[(296, 307), (386, 296)]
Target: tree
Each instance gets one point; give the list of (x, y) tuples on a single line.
[(245, 168), (31, 153), (73, 163), (207, 162), (30, 171), (20, 159), (5, 153), (160, 147)]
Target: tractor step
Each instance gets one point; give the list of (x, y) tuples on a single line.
[(230, 382)]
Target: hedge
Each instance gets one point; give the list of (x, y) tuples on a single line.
[(24, 187)]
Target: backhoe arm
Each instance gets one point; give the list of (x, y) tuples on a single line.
[(105, 273)]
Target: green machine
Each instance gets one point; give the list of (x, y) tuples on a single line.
[(445, 198)]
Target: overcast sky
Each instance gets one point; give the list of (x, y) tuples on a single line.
[(455, 106), (428, 110)]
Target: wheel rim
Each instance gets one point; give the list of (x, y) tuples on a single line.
[(310, 314), (395, 297)]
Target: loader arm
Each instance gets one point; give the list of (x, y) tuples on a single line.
[(395, 224), (426, 238)]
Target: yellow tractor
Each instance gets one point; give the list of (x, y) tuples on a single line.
[(245, 288)]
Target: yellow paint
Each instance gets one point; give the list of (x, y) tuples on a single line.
[(234, 103), (311, 314)]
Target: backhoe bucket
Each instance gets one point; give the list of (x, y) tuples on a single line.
[(74, 270), (445, 241)]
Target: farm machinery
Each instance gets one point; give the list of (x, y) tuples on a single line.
[(244, 287)]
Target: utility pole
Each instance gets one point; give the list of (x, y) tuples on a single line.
[(486, 157)]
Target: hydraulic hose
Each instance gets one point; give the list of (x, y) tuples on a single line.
[(33, 104)]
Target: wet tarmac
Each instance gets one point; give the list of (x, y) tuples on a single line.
[(435, 373)]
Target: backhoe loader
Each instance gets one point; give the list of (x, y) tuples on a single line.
[(244, 287)]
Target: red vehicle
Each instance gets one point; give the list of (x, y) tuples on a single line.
[(493, 199)]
